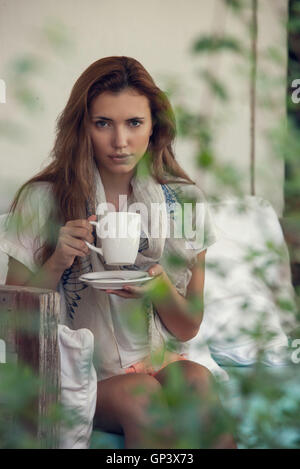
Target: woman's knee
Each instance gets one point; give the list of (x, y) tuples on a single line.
[(136, 384), (134, 396), (123, 400), (197, 376)]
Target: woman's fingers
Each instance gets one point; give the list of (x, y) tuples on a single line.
[(71, 242), (80, 224), (155, 270), (74, 243), (128, 291), (75, 252), (134, 290), (78, 232), (121, 293)]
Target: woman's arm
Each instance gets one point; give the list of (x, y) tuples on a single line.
[(47, 277), (183, 316), (70, 244), (183, 322)]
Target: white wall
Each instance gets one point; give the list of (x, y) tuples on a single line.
[(158, 33)]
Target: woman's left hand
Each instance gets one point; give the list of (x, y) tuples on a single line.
[(130, 291)]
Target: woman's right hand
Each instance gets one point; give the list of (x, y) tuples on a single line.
[(71, 242)]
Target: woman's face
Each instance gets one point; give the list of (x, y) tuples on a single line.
[(120, 128)]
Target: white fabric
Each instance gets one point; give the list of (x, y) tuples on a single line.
[(27, 233), (111, 357), (199, 352), (118, 344), (236, 298), (78, 387)]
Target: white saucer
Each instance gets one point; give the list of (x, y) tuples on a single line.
[(115, 279)]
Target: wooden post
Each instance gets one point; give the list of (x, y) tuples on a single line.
[(29, 320)]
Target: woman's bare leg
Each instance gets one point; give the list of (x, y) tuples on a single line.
[(119, 409), (201, 380)]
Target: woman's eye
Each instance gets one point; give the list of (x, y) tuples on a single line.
[(104, 124), (101, 124), (135, 123)]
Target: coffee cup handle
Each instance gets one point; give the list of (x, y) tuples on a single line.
[(91, 246)]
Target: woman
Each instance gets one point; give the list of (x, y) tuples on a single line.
[(116, 122)]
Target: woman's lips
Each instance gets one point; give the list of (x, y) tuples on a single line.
[(120, 158)]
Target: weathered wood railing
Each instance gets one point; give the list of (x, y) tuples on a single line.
[(28, 327)]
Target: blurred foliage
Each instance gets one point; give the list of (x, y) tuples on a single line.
[(57, 35), (209, 44), (21, 387), (19, 394), (25, 72), (260, 405), (216, 86), (181, 420), (18, 389)]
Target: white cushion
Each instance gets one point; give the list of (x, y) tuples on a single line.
[(199, 352), (236, 298), (78, 386)]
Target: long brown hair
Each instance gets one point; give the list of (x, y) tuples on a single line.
[(71, 169)]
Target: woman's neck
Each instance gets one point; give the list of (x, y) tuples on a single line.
[(116, 183)]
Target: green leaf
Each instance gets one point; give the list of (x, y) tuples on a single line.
[(216, 86), (216, 44), (174, 260), (57, 35), (205, 159), (26, 97), (235, 5), (25, 66)]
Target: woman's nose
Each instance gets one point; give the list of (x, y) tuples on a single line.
[(120, 138)]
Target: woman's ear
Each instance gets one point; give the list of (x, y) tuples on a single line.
[(153, 121), (152, 129)]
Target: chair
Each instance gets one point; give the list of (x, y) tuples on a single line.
[(20, 308)]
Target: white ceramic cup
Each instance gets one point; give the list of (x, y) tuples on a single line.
[(120, 237)]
